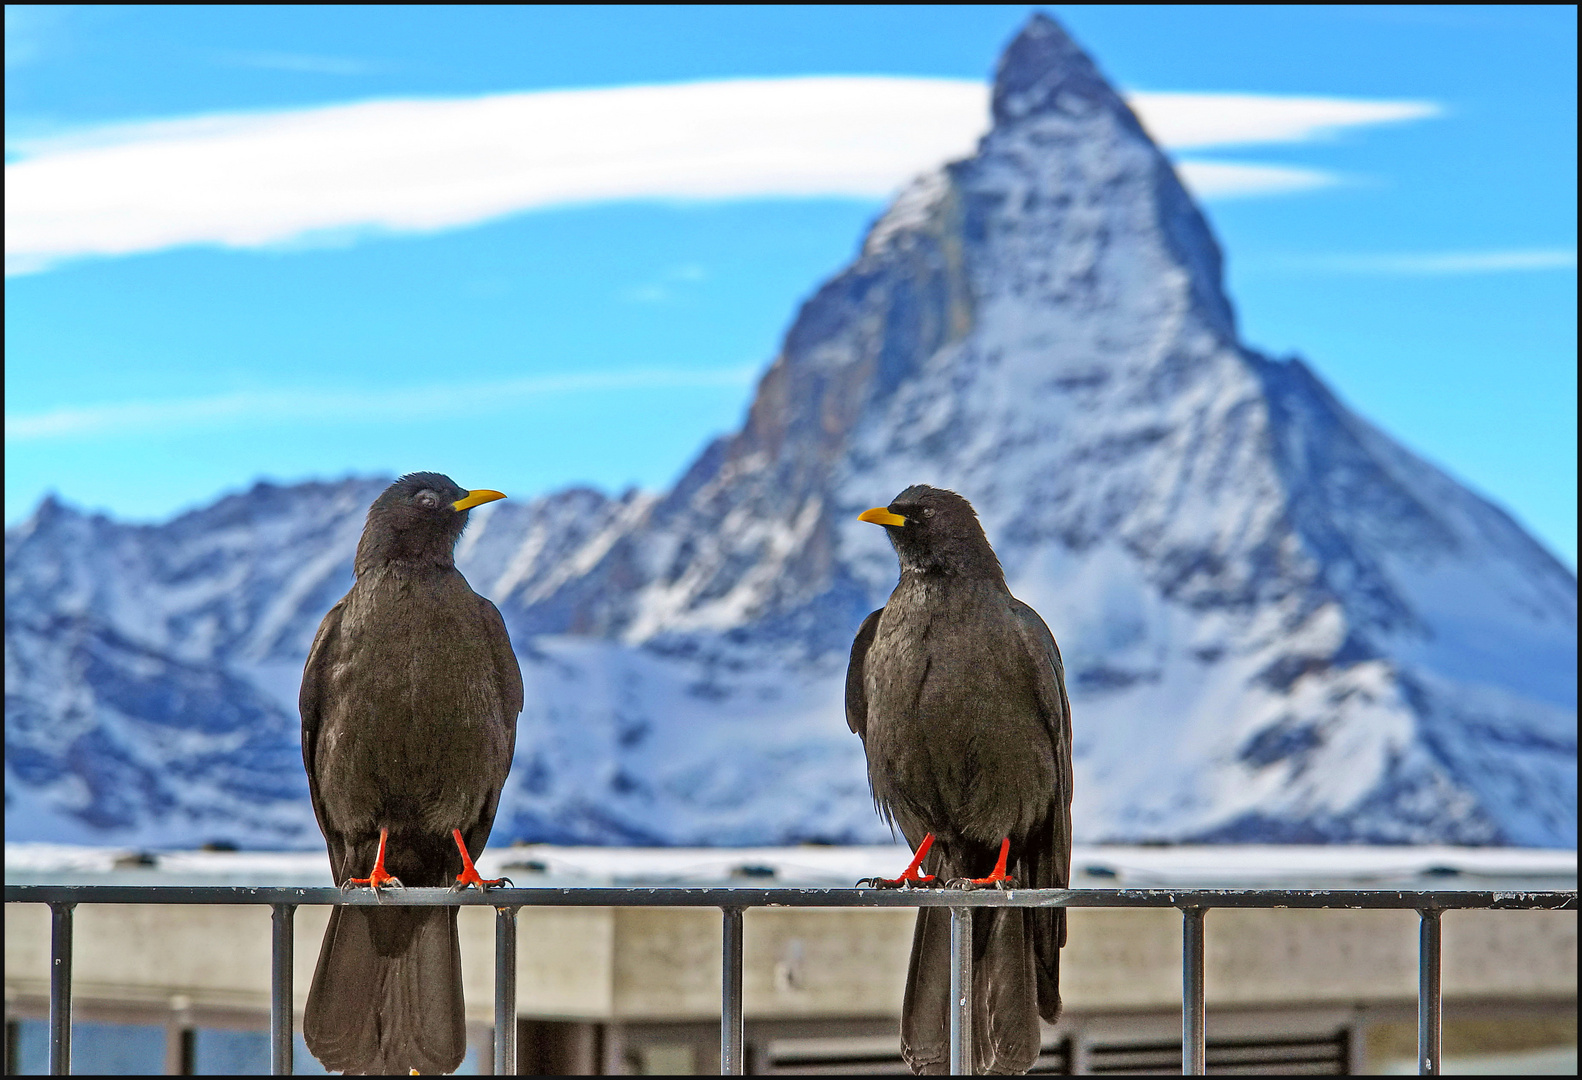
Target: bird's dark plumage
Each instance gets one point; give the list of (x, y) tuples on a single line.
[(958, 693), (409, 703)]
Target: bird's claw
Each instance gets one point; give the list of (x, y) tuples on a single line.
[(922, 881), (880, 883), (463, 880), (387, 882), (1004, 884), (382, 883)]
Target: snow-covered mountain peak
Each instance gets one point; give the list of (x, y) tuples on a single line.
[(1277, 622), (1044, 71)]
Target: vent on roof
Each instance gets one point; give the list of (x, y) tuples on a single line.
[(1271, 1055), (829, 1056), (878, 1055), (1054, 1058)]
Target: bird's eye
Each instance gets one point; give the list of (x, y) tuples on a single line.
[(428, 500), (928, 511)]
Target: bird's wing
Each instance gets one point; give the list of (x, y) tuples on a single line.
[(310, 702), (508, 672), (508, 681), (1050, 672), (1050, 675), (1049, 866), (856, 685)]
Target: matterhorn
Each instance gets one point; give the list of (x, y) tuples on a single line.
[(1278, 623)]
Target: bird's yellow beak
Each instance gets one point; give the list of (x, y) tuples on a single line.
[(880, 516), (477, 498)]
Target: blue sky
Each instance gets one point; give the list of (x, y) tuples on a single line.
[(284, 242)]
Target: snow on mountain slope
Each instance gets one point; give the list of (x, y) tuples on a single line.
[(1278, 624)]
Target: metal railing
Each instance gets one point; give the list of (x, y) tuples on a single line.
[(1192, 903)]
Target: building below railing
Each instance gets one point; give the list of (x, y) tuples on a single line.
[(733, 902)]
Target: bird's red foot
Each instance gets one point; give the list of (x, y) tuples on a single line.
[(997, 877), (469, 872), (378, 877), (910, 876)]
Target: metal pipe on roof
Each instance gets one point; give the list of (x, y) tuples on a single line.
[(60, 988), (732, 1035), (961, 991), (1429, 1010), (505, 991), (282, 961), (1193, 1055)]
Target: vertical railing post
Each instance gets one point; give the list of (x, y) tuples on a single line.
[(731, 1033), (505, 991), (1193, 1056), (960, 991), (282, 967), (1428, 992), (60, 989)]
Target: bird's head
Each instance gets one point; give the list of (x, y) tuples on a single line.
[(935, 531), (418, 518)]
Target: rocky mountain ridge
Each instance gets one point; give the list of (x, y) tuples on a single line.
[(1317, 635)]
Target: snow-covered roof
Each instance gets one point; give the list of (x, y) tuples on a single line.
[(1185, 866)]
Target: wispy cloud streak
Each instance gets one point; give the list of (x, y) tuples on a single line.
[(1188, 121), (1437, 263), (1233, 180), (252, 180), (305, 63), (273, 407), (27, 26)]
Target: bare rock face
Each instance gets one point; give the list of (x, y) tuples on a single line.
[(1278, 623)]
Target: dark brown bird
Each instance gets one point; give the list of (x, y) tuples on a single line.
[(958, 693), (409, 703)]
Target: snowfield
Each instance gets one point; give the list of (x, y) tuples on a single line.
[(1278, 624)]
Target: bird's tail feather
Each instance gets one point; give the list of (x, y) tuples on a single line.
[(386, 995), (1049, 934), (1043, 867), (1005, 992)]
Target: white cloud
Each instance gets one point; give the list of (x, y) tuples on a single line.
[(1440, 263), (269, 407), (272, 178), (1186, 121), (1229, 180)]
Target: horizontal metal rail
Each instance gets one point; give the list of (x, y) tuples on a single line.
[(677, 896), (1193, 904)]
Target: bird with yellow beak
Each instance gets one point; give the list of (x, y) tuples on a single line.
[(409, 703), (958, 693)]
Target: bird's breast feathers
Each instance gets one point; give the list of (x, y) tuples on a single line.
[(938, 653)]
